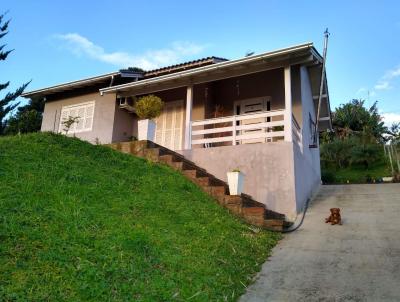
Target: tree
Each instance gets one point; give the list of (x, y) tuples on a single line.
[(7, 103), (337, 153), (24, 121), (357, 136), (27, 119), (353, 118), (394, 133), (366, 154), (69, 123)]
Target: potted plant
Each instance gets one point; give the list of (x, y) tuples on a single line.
[(235, 182), (148, 108)]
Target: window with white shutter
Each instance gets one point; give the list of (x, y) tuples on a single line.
[(83, 113), (169, 126)]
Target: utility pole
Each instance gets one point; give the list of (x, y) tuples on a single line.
[(390, 159), (394, 150), (321, 85)]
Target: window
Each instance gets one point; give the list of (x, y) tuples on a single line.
[(312, 127), (84, 113)]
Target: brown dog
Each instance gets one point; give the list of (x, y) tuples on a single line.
[(335, 217)]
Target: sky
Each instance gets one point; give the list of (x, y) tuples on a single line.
[(56, 41)]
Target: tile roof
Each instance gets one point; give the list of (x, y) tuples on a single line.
[(183, 66)]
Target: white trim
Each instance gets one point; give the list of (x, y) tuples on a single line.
[(78, 106), (69, 84), (325, 118), (316, 97), (288, 104), (233, 128), (188, 117)]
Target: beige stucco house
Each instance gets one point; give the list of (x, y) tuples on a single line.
[(256, 114)]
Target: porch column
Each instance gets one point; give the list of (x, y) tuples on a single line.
[(288, 105), (188, 120)]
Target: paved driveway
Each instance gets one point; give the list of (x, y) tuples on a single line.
[(358, 261)]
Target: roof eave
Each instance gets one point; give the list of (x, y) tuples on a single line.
[(220, 65), (72, 84)]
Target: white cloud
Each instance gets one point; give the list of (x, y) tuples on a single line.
[(394, 73), (382, 85), (390, 118), (81, 46), (361, 90), (385, 82)]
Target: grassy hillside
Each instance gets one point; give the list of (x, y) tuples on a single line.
[(84, 222)]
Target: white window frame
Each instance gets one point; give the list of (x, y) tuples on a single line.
[(77, 106), (179, 134)]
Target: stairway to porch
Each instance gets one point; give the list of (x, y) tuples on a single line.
[(243, 205)]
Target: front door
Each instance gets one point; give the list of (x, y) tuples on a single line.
[(253, 106), (169, 126)]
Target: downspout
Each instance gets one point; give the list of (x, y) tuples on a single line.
[(112, 81), (111, 84)]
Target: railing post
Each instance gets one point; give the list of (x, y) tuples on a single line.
[(234, 130), (188, 120), (288, 105)]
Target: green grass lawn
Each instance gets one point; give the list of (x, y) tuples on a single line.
[(359, 174), (84, 222)]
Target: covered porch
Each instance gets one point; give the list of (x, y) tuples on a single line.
[(257, 99), (247, 109)]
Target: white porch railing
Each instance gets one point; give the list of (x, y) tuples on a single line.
[(264, 126)]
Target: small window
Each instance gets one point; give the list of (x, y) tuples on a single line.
[(312, 127), (83, 113)]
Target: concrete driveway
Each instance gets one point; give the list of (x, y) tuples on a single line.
[(358, 261)]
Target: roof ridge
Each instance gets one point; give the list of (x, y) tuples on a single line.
[(201, 61)]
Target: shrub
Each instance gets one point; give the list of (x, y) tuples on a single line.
[(328, 177), (337, 153), (368, 179), (366, 154), (149, 107)]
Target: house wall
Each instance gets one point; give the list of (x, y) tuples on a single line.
[(268, 169), (102, 122), (125, 125), (180, 94), (266, 83), (306, 160), (297, 109)]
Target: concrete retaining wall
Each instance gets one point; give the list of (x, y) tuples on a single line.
[(268, 168)]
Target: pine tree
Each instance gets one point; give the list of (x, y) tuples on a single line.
[(7, 102)]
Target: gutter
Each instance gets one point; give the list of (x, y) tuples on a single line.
[(213, 67), (69, 84)]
